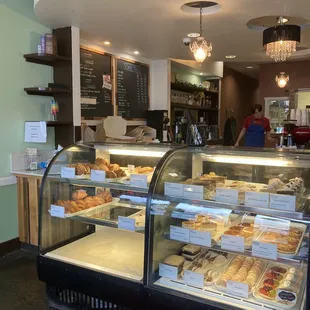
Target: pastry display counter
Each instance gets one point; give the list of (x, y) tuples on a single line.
[(234, 231), (92, 218)]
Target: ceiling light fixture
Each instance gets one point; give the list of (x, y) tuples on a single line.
[(193, 35), (280, 41), (230, 56), (282, 79), (201, 73), (136, 52), (106, 42), (199, 47), (249, 67)]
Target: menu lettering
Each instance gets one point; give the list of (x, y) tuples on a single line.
[(132, 89)]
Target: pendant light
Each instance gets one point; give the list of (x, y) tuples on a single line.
[(282, 79), (280, 41), (200, 47)]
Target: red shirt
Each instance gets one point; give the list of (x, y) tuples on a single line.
[(264, 121)]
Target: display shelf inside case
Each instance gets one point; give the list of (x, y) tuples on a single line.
[(107, 250)]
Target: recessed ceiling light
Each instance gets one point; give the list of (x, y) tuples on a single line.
[(201, 73), (249, 67), (136, 52), (106, 42), (193, 35), (230, 56)]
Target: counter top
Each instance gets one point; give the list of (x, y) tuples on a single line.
[(31, 173)]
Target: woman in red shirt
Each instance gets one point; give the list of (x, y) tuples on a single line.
[(254, 129)]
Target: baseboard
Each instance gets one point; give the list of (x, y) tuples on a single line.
[(9, 246)]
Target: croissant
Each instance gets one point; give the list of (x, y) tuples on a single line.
[(114, 167), (80, 169), (94, 167), (78, 195), (60, 202), (101, 161), (111, 175), (104, 168), (120, 173)]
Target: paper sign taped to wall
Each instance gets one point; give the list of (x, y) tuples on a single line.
[(88, 100), (35, 132)]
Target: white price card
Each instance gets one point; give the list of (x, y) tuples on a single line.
[(226, 195), (256, 199), (67, 172), (193, 278), (126, 223), (169, 272), (264, 250), (97, 175), (173, 189), (202, 238), (283, 202), (57, 211), (138, 180), (193, 192), (237, 289), (179, 233), (268, 223), (232, 243)]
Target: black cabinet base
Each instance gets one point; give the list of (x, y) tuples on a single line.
[(75, 287)]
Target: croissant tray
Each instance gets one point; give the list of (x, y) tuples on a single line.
[(68, 215)]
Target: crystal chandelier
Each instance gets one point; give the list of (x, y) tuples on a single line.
[(282, 79), (280, 41), (199, 47)]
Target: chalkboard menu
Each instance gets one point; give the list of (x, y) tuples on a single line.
[(96, 84), (132, 89)]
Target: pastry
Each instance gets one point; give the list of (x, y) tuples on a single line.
[(175, 260), (101, 161), (79, 194), (114, 167), (111, 175), (191, 249), (279, 269), (271, 282), (274, 275), (268, 292), (120, 173), (103, 168), (275, 182), (208, 226), (143, 170)]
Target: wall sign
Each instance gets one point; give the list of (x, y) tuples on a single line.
[(132, 96), (96, 84)]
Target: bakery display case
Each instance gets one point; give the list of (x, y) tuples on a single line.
[(92, 218), (233, 232)]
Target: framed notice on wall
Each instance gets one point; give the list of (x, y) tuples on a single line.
[(96, 84), (132, 80)]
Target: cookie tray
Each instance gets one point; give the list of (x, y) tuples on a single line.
[(223, 288)]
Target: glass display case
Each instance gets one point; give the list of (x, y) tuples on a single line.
[(92, 208), (231, 230)]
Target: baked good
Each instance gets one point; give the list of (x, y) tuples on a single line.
[(143, 170), (174, 260), (208, 226), (120, 173), (111, 175), (103, 168), (276, 183), (79, 194), (101, 161), (191, 249), (114, 167)]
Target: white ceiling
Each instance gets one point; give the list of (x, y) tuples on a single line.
[(156, 27)]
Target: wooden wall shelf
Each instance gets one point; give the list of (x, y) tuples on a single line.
[(58, 123), (47, 91), (190, 88), (192, 107), (47, 59)]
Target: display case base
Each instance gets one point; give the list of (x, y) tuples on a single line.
[(79, 288)]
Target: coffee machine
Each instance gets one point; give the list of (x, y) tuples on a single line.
[(158, 119)]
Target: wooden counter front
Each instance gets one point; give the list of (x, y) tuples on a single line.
[(28, 192)]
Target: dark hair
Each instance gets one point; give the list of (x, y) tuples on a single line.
[(257, 107)]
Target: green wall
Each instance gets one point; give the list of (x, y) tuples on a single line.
[(19, 34)]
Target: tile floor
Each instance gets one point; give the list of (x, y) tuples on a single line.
[(20, 288)]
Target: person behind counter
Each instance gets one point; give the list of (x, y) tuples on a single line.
[(254, 129)]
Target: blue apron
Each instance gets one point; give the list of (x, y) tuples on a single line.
[(255, 135)]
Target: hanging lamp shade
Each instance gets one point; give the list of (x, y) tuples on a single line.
[(281, 41)]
